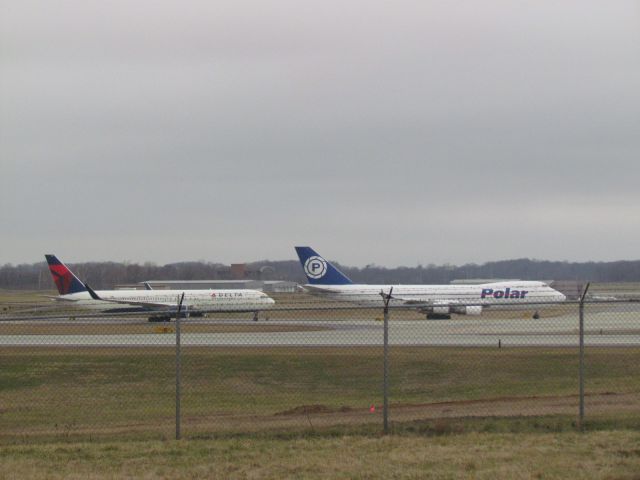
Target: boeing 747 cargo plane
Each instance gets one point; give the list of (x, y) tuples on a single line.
[(75, 292), (437, 301)]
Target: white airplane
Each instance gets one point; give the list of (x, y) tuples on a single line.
[(160, 302), (437, 301)]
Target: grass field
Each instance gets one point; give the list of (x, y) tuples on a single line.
[(593, 455), (54, 393)]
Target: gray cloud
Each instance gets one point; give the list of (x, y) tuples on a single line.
[(393, 133)]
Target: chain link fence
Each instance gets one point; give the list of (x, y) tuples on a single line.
[(314, 366)]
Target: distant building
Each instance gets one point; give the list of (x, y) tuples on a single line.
[(129, 286), (238, 271), (202, 284), (279, 286)]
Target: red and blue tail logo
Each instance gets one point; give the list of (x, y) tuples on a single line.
[(64, 278)]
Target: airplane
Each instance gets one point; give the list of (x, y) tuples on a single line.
[(436, 301), (161, 303)]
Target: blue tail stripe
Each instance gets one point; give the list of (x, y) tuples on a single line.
[(318, 270)]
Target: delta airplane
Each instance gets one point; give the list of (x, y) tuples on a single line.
[(72, 290), (437, 301)]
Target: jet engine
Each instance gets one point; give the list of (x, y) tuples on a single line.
[(444, 310), (467, 310), (448, 309)]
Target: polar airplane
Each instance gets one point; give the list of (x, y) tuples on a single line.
[(75, 292), (437, 301)]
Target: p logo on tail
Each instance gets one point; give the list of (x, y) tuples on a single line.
[(64, 278), (318, 270), (315, 267)]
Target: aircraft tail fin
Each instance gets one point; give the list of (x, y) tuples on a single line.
[(318, 270), (64, 278)]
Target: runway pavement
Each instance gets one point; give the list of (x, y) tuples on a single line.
[(614, 326)]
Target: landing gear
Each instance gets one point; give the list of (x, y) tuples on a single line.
[(255, 316), (536, 315)]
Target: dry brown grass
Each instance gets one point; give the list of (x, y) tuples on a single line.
[(594, 455), (120, 328), (53, 393)]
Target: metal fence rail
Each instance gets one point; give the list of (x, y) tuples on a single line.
[(320, 367)]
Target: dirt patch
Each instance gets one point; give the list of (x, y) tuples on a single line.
[(499, 407), (312, 409), (596, 403), (322, 416)]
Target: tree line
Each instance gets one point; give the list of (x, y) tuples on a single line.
[(108, 274)]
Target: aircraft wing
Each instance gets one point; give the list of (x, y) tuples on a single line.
[(420, 302), (152, 305), (412, 302), (444, 306)]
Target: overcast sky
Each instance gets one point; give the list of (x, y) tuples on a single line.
[(393, 133)]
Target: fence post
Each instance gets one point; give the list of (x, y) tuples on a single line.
[(385, 380), (581, 374), (178, 365)]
